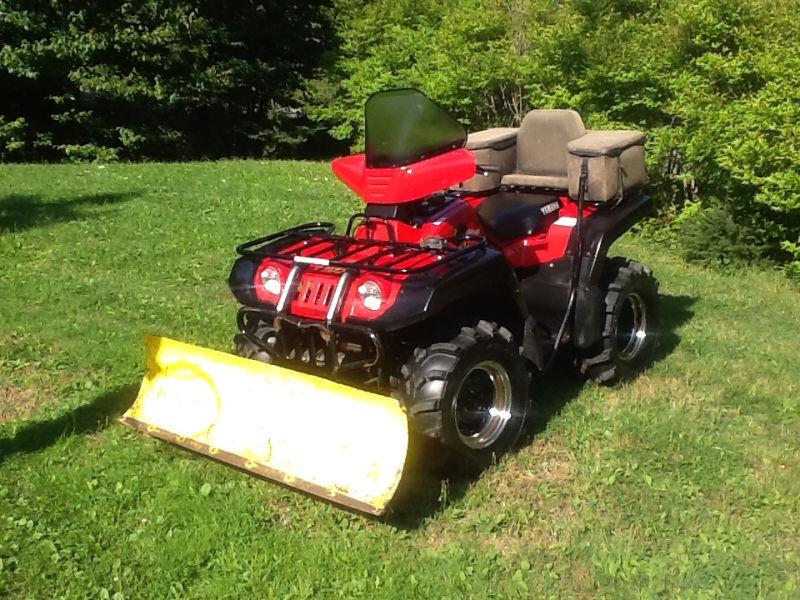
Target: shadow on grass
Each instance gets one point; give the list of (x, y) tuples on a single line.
[(675, 311), (428, 487), (19, 212), (85, 419)]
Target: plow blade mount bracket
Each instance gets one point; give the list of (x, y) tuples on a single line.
[(341, 443)]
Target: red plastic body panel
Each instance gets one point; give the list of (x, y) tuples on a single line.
[(403, 184), (314, 295), (553, 241), (461, 216)]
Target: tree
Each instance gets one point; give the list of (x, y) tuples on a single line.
[(154, 78)]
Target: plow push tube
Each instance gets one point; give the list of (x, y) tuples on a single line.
[(340, 443)]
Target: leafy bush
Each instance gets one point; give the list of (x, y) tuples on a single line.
[(716, 83), (11, 137)]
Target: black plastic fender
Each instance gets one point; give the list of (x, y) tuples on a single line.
[(546, 290), (487, 274), (604, 227), (240, 281)]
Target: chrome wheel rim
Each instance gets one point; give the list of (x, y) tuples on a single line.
[(631, 326), (482, 405)]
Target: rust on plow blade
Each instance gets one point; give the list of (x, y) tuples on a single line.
[(337, 442)]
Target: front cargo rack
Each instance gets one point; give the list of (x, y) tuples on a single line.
[(315, 244)]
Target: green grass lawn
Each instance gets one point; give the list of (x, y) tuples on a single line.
[(684, 482)]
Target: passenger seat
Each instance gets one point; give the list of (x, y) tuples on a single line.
[(542, 149)]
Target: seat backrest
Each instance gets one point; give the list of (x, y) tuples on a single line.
[(542, 141)]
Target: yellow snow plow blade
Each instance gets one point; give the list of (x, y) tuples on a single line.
[(329, 439)]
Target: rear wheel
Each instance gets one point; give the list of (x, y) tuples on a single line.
[(471, 393), (631, 324)]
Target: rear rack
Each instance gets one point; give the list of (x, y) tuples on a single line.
[(305, 245)]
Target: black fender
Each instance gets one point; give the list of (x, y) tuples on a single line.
[(240, 281), (606, 226), (466, 286), (599, 232), (546, 290)]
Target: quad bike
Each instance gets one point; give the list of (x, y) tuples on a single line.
[(475, 261)]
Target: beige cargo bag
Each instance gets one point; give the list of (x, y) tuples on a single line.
[(497, 147), (616, 164)]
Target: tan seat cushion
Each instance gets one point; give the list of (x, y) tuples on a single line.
[(542, 141), (605, 143), (553, 182), (497, 138)]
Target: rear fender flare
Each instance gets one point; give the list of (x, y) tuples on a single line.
[(599, 233), (602, 229)]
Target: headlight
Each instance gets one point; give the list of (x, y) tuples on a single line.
[(271, 281), (371, 296)]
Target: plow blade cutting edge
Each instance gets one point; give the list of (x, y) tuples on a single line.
[(341, 443)]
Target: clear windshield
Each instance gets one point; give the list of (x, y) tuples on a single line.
[(404, 126)]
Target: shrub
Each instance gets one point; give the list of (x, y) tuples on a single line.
[(714, 237)]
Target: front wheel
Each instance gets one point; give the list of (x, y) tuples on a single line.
[(630, 329), (471, 393), (247, 349)]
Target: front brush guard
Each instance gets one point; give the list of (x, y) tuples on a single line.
[(335, 362)]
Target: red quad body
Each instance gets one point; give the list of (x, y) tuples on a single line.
[(411, 182), (391, 186), (405, 185), (418, 180)]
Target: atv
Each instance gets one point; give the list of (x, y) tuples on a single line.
[(476, 259)]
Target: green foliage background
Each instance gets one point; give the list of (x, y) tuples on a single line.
[(154, 79), (714, 82)]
